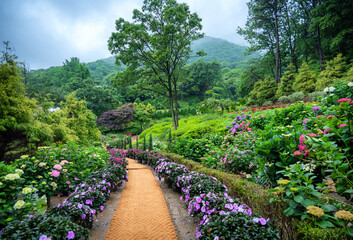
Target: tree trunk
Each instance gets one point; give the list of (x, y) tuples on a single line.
[(321, 57), (176, 104), (277, 70)]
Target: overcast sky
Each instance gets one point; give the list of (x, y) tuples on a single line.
[(46, 32)]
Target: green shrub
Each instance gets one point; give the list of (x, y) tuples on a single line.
[(284, 99), (286, 83), (191, 148), (306, 231), (305, 79), (315, 95), (296, 96), (267, 103)]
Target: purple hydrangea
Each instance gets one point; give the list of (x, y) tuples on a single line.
[(316, 109)]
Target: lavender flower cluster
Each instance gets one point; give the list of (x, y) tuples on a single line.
[(239, 125), (205, 196)]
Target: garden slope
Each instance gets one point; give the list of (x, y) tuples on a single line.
[(142, 212)]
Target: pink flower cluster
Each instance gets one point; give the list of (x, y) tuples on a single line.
[(302, 146), (344, 100), (55, 173), (58, 167)]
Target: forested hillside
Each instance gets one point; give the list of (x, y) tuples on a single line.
[(93, 81), (226, 53)]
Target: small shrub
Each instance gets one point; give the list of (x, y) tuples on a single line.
[(297, 96), (284, 99), (315, 95), (267, 103)]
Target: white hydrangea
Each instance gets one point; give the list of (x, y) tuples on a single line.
[(19, 204), (26, 190), (350, 84), (13, 176)]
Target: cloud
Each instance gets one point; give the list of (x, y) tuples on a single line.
[(221, 18), (45, 33)]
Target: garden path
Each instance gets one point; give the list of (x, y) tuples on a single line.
[(142, 212)]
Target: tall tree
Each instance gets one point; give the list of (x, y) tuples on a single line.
[(157, 41), (202, 77), (262, 30)]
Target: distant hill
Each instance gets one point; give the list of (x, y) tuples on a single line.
[(227, 53)]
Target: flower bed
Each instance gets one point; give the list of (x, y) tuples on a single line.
[(88, 194), (292, 152), (207, 198)]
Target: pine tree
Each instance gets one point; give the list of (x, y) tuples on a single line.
[(170, 139), (335, 69), (150, 144), (305, 80), (348, 77), (264, 90), (130, 142), (285, 86), (144, 143)]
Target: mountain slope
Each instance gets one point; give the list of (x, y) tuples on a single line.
[(225, 52)]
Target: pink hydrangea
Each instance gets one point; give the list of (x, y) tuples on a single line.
[(342, 125), (302, 139), (320, 116), (344, 100), (63, 162), (330, 116), (301, 147), (306, 153), (58, 167), (55, 173), (297, 153), (326, 130), (312, 135)]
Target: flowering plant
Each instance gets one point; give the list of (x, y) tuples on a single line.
[(170, 171), (210, 203), (236, 225), (79, 213), (44, 227), (91, 195)]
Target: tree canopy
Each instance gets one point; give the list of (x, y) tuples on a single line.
[(156, 46)]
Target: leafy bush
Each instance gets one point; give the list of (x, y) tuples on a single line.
[(236, 225), (191, 148), (78, 213), (267, 103), (314, 96), (284, 99), (56, 227), (296, 96), (117, 119)]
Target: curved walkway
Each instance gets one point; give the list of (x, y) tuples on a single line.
[(142, 212)]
